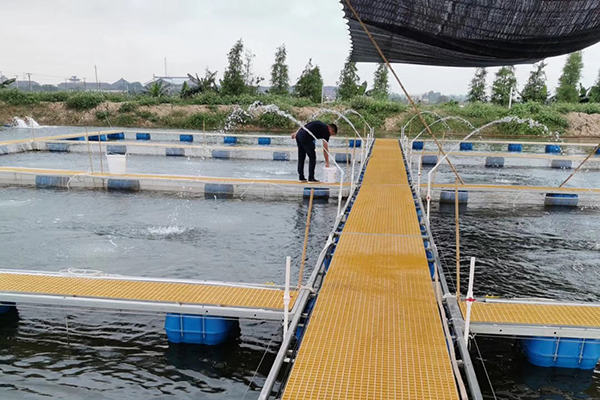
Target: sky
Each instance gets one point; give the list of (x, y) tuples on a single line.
[(55, 39)]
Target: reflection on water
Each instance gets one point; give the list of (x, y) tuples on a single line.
[(73, 354)]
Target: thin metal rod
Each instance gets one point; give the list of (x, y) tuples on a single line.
[(580, 165), (87, 140), (402, 87), (456, 210), (470, 299), (100, 154), (310, 204), (286, 294)]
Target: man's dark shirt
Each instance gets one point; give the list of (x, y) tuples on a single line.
[(318, 128)]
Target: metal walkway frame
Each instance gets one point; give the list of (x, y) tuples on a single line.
[(110, 292)]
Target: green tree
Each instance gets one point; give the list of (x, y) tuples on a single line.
[(381, 86), (185, 89), (503, 85), (252, 82), (233, 82), (280, 80), (157, 89), (5, 84), (310, 83), (477, 87), (203, 85), (348, 85), (595, 91), (535, 89), (567, 83)]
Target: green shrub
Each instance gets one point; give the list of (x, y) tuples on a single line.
[(83, 101), (150, 116), (124, 120), (147, 101), (127, 107), (16, 97), (102, 115)]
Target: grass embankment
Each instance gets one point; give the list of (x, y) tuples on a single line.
[(210, 111)]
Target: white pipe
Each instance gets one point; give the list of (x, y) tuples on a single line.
[(286, 294), (469, 299), (419, 172)]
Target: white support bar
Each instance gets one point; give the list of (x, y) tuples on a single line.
[(286, 294), (469, 299)]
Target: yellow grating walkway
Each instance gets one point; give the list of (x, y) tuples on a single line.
[(375, 332), (535, 314), (137, 290)]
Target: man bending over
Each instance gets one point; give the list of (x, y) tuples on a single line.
[(306, 146)]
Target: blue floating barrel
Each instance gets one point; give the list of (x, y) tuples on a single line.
[(320, 193), (561, 199), (597, 151), (431, 268), (198, 329), (417, 145), (494, 162), (116, 149), (465, 146), (264, 141), (354, 143), (126, 185), (58, 147), (95, 138), (552, 149), (142, 136), (77, 139), (562, 352), (230, 140), (116, 136), (281, 156), (222, 154), (51, 181), (449, 196), (562, 164), (6, 307), (342, 158), (429, 160), (186, 138), (218, 190), (515, 147)]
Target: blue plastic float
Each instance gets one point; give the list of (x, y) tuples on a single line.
[(562, 352), (198, 329)]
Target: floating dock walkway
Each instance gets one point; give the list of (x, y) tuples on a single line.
[(375, 332), (143, 294)]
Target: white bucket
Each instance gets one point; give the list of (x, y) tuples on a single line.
[(117, 163), (331, 175)]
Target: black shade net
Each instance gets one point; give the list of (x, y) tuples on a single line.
[(472, 33)]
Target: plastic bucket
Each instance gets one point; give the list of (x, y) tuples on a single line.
[(330, 175), (117, 163)]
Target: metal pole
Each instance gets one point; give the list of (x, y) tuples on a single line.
[(401, 86), (310, 204), (469, 299), (29, 76), (286, 294), (419, 178), (97, 82), (87, 140), (456, 210), (510, 98), (100, 147), (580, 165)]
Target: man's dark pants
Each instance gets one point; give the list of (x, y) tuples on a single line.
[(306, 147)]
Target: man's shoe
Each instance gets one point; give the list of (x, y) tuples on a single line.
[(313, 180), (302, 180)]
